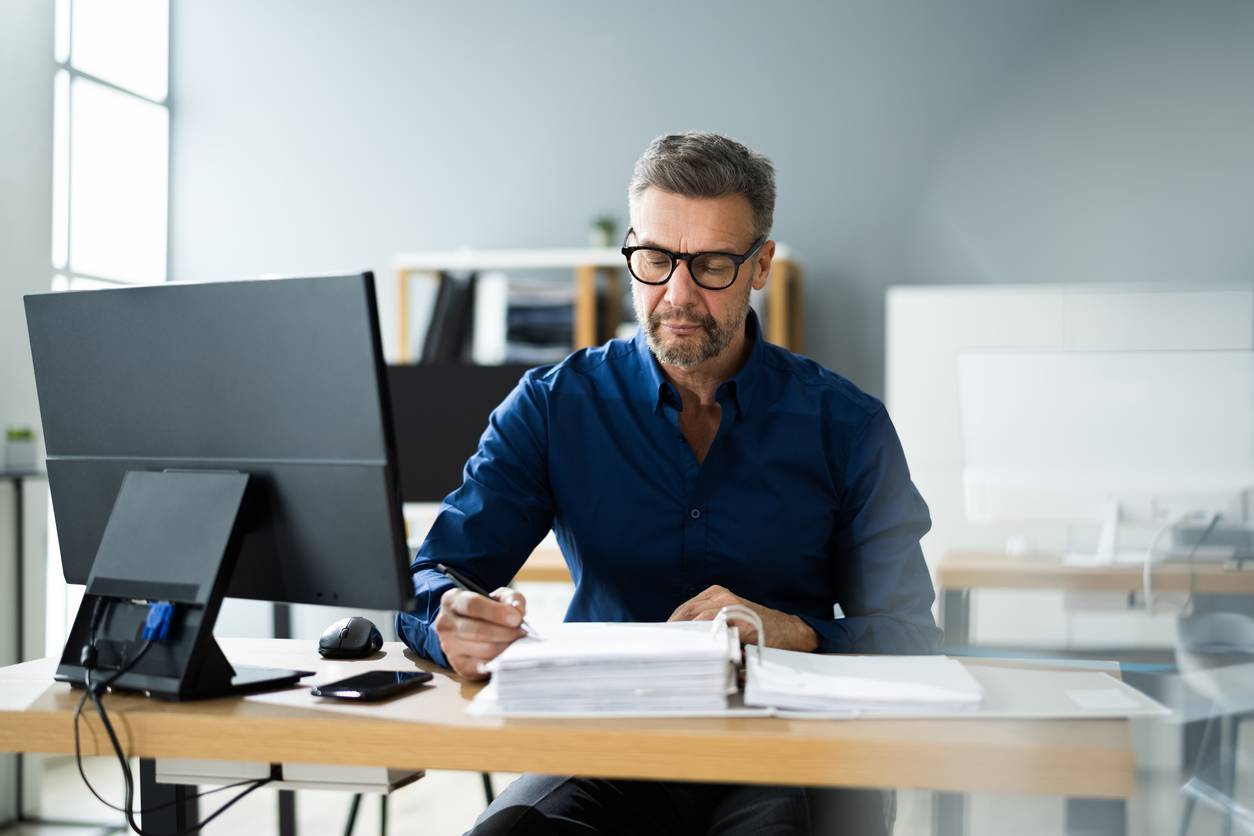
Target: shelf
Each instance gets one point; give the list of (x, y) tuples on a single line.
[(593, 268)]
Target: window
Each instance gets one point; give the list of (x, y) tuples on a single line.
[(111, 143), (110, 177)]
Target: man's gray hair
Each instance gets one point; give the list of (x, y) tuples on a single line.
[(700, 164)]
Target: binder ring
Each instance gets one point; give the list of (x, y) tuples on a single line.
[(739, 612)]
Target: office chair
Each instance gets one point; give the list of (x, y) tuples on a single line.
[(1208, 646)]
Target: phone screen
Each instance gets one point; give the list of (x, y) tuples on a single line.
[(372, 685)]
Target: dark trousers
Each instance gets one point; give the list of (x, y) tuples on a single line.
[(550, 804)]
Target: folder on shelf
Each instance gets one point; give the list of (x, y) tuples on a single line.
[(449, 332)]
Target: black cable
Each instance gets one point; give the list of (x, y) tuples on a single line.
[(78, 756), (130, 782), (87, 692), (88, 659), (91, 692)]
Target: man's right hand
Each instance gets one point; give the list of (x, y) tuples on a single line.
[(473, 630)]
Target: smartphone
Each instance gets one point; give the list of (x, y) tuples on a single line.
[(372, 685)]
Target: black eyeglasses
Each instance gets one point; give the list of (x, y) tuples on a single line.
[(713, 271)]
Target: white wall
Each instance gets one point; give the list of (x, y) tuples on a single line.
[(25, 247)]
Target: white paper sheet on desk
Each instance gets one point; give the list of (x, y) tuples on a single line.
[(1026, 692), (787, 679)]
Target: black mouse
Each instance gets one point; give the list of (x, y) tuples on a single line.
[(350, 638)]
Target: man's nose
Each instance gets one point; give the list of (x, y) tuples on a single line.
[(681, 290)]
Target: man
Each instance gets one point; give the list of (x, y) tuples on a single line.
[(692, 467)]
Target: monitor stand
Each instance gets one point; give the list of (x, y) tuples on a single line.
[(172, 536)]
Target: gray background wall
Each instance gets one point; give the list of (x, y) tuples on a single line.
[(915, 141)]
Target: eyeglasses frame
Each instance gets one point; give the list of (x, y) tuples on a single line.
[(687, 258)]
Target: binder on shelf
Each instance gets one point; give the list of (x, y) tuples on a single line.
[(520, 321), (424, 289), (491, 312), (447, 336)]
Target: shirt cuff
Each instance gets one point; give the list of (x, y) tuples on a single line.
[(420, 637), (833, 638)]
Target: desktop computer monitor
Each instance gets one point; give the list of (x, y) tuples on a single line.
[(210, 440)]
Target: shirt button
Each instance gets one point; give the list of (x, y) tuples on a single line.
[(695, 513)]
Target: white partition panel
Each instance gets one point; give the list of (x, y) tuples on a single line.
[(928, 327)]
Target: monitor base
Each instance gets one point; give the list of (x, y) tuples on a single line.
[(245, 680)]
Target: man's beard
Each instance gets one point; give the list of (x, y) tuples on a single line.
[(686, 352)]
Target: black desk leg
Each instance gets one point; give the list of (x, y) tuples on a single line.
[(19, 633), (174, 807), (282, 622), (287, 813), (1097, 817), (955, 617), (949, 812)]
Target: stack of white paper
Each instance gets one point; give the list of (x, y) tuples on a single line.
[(790, 680), (609, 667)]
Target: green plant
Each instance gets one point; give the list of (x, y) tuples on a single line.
[(606, 224)]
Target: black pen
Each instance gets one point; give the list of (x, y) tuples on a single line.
[(470, 586)]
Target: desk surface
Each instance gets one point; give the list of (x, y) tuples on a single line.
[(430, 730), (994, 570)]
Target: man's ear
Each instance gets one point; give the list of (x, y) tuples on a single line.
[(763, 259)]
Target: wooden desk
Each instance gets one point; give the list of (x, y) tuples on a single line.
[(961, 572), (430, 730), (545, 564)]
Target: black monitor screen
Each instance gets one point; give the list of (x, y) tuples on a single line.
[(281, 379)]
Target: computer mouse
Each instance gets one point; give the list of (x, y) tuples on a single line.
[(350, 638)]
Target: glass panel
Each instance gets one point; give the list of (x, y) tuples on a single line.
[(60, 168), (61, 44), (119, 158), (125, 42)]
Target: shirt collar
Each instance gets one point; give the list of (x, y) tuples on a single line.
[(740, 387)]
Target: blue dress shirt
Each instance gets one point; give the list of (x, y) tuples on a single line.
[(803, 501)]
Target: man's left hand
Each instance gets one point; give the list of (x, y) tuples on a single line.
[(782, 630)]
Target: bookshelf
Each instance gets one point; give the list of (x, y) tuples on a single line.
[(598, 273)]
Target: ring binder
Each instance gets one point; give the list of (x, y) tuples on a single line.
[(734, 612)]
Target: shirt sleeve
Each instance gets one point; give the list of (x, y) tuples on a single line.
[(877, 570), (488, 526)]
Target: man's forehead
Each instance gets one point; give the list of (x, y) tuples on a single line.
[(667, 219)]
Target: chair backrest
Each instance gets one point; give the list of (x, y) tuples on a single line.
[(1209, 649)]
